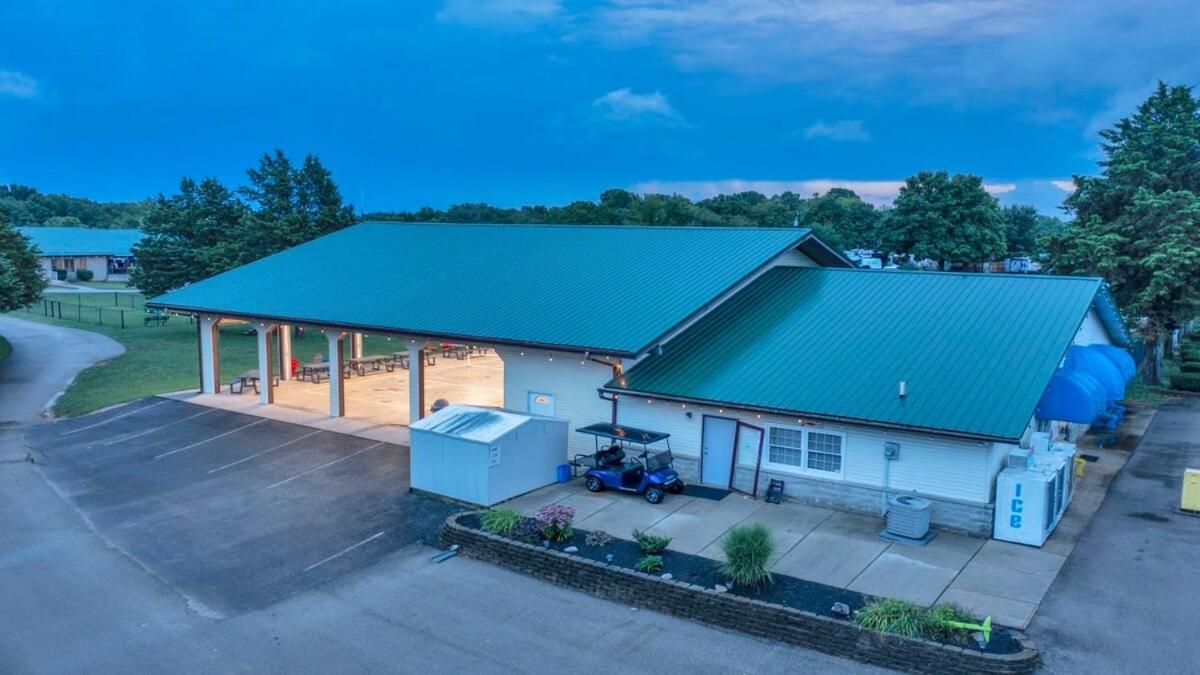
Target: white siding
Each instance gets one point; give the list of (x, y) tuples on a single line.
[(932, 465), (573, 384), (793, 258), (1092, 331)]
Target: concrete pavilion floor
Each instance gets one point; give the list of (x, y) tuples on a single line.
[(376, 403), (988, 577)]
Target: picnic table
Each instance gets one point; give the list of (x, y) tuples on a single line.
[(250, 377), (156, 318), (313, 371), (401, 358), (376, 363)]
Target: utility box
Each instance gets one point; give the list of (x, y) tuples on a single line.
[(484, 455), (1190, 501)]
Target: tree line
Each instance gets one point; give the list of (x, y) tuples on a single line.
[(24, 206)]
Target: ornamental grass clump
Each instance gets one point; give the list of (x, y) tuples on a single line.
[(899, 617), (555, 521), (500, 521), (652, 544), (747, 549), (649, 564)]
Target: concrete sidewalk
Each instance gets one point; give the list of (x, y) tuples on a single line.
[(990, 578)]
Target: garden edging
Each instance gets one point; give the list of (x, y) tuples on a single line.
[(747, 615)]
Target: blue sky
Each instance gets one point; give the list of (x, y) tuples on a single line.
[(547, 101)]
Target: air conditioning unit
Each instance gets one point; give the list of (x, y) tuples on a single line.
[(908, 516)]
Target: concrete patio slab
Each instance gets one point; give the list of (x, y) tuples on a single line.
[(528, 504), (852, 525), (630, 512), (588, 503), (703, 522), (947, 550), (1003, 611), (830, 558), (1002, 582), (897, 576), (789, 523), (1018, 557)]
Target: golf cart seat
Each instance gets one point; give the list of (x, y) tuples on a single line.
[(612, 456)]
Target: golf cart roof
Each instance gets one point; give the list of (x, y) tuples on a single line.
[(620, 433)]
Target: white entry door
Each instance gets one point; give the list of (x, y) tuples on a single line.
[(717, 459), (540, 403)]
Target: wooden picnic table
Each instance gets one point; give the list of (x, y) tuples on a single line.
[(250, 377), (402, 359)]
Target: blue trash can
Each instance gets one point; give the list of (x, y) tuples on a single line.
[(564, 473)]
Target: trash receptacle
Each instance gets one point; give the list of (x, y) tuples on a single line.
[(564, 473)]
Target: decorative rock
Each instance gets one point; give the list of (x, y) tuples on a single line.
[(571, 549), (841, 609), (668, 576), (608, 557), (545, 543), (719, 588), (979, 640)]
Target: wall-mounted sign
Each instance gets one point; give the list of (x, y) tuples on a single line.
[(493, 455)]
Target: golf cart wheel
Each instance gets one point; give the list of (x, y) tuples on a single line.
[(654, 494), (593, 484), (676, 487)]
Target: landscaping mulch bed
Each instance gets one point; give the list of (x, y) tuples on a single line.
[(782, 590)]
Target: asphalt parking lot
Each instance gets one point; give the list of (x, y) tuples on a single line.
[(234, 511)]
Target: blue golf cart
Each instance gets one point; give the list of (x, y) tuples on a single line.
[(624, 461)]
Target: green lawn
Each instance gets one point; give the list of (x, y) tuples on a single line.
[(5, 348), (157, 359), (107, 285)]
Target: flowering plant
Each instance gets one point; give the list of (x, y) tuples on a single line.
[(555, 521)]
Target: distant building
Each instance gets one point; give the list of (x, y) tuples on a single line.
[(107, 254)]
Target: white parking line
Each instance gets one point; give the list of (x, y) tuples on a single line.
[(122, 439), (344, 551), (213, 438), (260, 454), (326, 464), (112, 419)]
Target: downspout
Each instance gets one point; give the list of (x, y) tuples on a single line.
[(617, 369)]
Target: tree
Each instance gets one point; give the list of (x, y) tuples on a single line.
[(842, 219), (1137, 224), (1021, 225), (190, 236), (21, 279), (945, 218)]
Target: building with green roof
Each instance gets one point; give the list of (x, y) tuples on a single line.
[(762, 352), (66, 251)]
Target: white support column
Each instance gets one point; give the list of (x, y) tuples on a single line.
[(356, 346), (416, 382), (285, 352), (266, 362), (337, 393), (210, 365)]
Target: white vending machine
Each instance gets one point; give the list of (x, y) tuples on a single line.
[(1031, 500)]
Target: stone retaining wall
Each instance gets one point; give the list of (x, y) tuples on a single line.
[(762, 619)]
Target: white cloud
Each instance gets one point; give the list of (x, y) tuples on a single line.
[(625, 105), (878, 192), (841, 131), (1067, 186), (500, 13), (17, 84)]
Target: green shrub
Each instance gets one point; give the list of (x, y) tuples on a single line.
[(61, 275), (500, 521), (1189, 367), (652, 544), (649, 564), (747, 549), (1189, 351), (84, 275), (899, 617), (1186, 381)]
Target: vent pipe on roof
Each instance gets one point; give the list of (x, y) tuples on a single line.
[(903, 389)]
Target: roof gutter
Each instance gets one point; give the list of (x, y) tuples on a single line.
[(826, 418), (362, 328)]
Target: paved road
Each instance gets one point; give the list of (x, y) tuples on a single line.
[(70, 601), (1128, 599), (43, 362)]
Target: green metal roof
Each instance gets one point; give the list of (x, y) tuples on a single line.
[(604, 289), (976, 350), (52, 241)]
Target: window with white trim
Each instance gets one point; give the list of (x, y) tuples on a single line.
[(824, 452), (786, 447), (805, 450)]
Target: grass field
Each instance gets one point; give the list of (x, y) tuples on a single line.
[(5, 348), (157, 359)]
